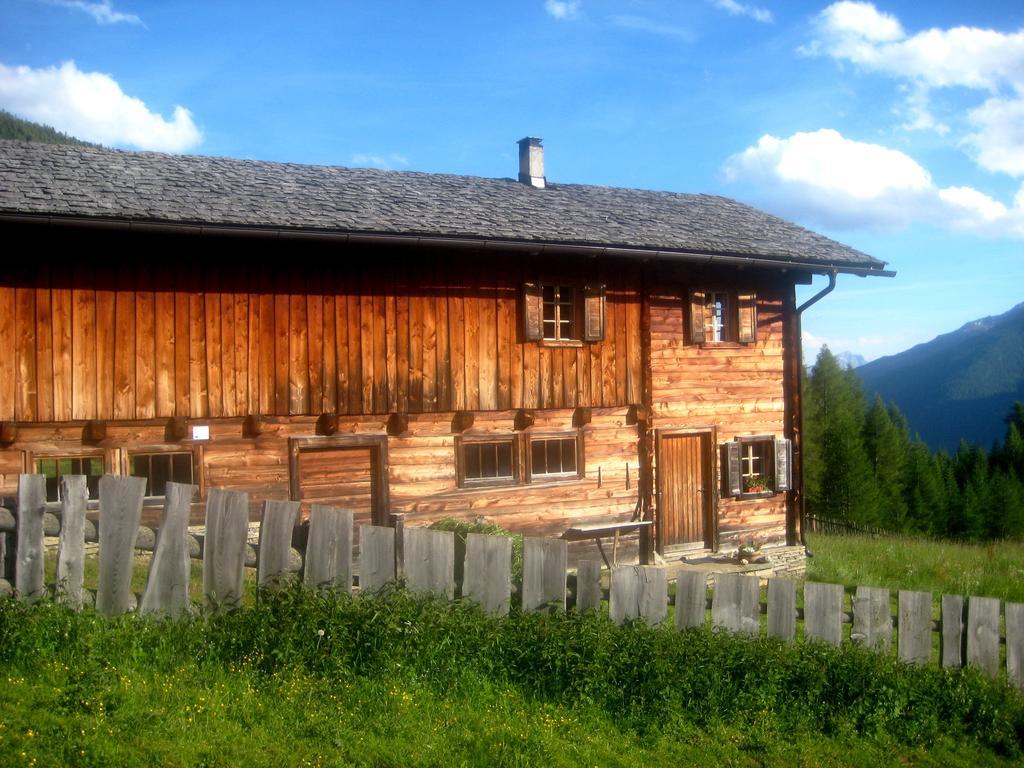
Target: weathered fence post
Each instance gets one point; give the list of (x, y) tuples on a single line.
[(691, 599), (397, 520), (328, 562), (71, 545), (1015, 644), (736, 604), (487, 576), (872, 618), (983, 634), (544, 565), (638, 591), (120, 514), (588, 585), (171, 569), (915, 627), (376, 558), (227, 531), (782, 609), (430, 561), (823, 612), (28, 576), (952, 639), (276, 527)]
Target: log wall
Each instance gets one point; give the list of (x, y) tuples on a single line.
[(736, 389)]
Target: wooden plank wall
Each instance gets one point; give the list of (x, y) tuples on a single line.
[(736, 388), (403, 331)]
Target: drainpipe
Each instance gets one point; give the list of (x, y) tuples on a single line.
[(799, 415)]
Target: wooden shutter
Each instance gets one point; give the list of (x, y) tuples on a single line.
[(533, 312), (733, 483), (783, 464), (747, 318), (697, 304), (593, 313)]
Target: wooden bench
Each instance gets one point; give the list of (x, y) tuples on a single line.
[(600, 530)]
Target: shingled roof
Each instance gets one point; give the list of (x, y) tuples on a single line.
[(85, 182)]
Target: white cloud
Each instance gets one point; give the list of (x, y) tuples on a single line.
[(92, 106), (102, 11), (843, 183), (563, 10), (734, 8), (385, 162), (959, 57)]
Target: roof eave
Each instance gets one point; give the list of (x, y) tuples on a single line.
[(446, 241)]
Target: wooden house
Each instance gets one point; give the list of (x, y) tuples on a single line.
[(542, 355)]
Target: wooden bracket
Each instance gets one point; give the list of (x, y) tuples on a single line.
[(95, 431), (253, 425), (327, 424), (525, 419), (462, 421), (581, 417), (8, 432), (637, 414), (177, 429), (398, 424)]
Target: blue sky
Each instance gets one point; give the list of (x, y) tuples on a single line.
[(894, 127)]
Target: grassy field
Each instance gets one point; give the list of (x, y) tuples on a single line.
[(988, 570), (300, 679)]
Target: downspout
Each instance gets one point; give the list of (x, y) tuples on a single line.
[(798, 446)]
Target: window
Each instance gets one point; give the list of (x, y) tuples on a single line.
[(559, 313), (554, 457), (754, 467), (55, 468), (718, 316), (488, 460), (161, 468)]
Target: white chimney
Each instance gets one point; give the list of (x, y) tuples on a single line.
[(531, 162)]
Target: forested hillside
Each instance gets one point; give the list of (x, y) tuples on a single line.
[(12, 127), (959, 385), (862, 465)]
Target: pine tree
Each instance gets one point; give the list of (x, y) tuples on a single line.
[(887, 451), (839, 480)]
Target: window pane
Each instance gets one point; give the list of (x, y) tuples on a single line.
[(538, 458), (182, 468), (568, 455), (472, 457), (492, 460), (504, 451), (488, 461)]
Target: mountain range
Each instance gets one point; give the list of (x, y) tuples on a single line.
[(958, 385)]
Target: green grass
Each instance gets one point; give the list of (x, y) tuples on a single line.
[(305, 679), (995, 569)]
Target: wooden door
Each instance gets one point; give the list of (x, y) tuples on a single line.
[(350, 476), (686, 492)]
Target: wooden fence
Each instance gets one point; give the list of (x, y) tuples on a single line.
[(320, 552), (817, 524)]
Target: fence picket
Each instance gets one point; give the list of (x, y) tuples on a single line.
[(487, 576), (376, 558), (691, 599), (638, 592), (736, 604), (120, 514), (28, 575), (872, 620), (1015, 644), (71, 545), (823, 612), (328, 561), (544, 567), (953, 636), (983, 634), (915, 627), (224, 548), (588, 585), (782, 609), (430, 561), (171, 568), (276, 528)]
